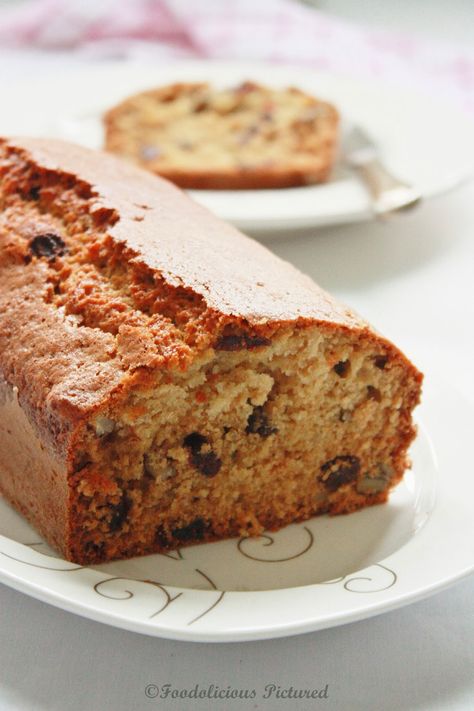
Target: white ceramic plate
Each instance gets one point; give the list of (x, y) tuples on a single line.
[(423, 141), (322, 573)]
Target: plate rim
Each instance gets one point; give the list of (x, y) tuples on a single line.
[(233, 635)]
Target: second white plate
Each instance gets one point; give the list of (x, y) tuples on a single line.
[(423, 141)]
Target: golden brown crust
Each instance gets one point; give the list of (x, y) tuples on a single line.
[(236, 275), (33, 478), (261, 138)]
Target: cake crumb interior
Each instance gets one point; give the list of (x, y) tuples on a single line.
[(244, 441)]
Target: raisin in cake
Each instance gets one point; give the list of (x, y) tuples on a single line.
[(166, 380), (247, 137)]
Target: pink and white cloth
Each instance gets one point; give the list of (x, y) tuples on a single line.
[(283, 31)]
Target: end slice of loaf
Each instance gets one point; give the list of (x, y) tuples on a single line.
[(166, 380), (247, 137)]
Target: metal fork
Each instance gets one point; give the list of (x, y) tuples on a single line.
[(390, 195)]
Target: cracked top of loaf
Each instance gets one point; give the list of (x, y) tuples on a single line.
[(108, 272), (183, 242)]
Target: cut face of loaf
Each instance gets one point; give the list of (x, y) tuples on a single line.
[(168, 381), (245, 440)]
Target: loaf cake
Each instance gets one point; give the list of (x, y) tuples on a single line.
[(166, 380), (247, 137)]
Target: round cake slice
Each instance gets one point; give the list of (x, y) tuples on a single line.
[(247, 137)]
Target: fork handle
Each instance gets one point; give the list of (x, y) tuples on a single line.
[(389, 193)]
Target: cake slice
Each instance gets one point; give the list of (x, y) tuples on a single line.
[(250, 136), (166, 380)]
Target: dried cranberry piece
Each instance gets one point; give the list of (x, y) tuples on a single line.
[(240, 342), (94, 550), (194, 531), (230, 343), (200, 106), (160, 537), (47, 245), (207, 463), (342, 368), (374, 393), (195, 441), (339, 471), (119, 513), (34, 192), (258, 423)]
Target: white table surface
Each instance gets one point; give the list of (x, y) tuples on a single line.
[(413, 278)]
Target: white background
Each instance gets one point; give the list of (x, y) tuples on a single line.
[(413, 278)]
